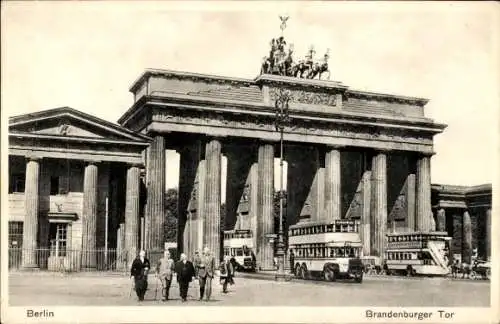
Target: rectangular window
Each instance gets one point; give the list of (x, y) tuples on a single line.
[(58, 239), (16, 183), (15, 234)]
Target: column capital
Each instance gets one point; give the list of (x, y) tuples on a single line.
[(335, 146), (382, 150), (91, 162), (32, 157), (425, 154), (135, 165), (154, 133)]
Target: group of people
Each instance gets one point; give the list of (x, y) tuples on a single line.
[(203, 268)]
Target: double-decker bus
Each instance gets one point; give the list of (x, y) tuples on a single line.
[(417, 253), (330, 250), (238, 245)]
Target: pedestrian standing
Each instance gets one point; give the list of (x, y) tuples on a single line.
[(164, 271), (206, 270), (185, 273), (226, 273), (139, 272)]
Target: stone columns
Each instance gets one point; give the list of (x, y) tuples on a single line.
[(332, 184), (265, 219), (410, 200), (212, 219), (132, 212), (31, 206), (424, 210), (154, 217), (441, 220), (487, 235), (379, 220), (318, 187), (89, 216), (466, 238), (366, 213)]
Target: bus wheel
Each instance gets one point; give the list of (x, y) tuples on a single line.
[(303, 273), (410, 272), (328, 274), (359, 278), (473, 275), (298, 272)]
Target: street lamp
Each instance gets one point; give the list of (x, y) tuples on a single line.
[(282, 118)]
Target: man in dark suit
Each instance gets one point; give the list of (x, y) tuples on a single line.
[(185, 273), (139, 272)]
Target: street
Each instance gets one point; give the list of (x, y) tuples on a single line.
[(96, 289)]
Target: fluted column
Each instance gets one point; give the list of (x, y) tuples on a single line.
[(211, 233), (89, 215), (154, 217), (132, 211), (332, 184), (466, 237), (487, 234), (366, 215), (265, 217), (31, 206), (379, 178), (424, 210)]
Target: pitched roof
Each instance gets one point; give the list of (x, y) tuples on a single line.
[(48, 122)]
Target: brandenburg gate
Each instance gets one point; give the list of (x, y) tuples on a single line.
[(351, 154)]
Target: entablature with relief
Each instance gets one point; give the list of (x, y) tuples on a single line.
[(302, 130)]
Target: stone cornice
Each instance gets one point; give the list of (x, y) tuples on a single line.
[(186, 103), (79, 139), (270, 79), (387, 97), (181, 75)]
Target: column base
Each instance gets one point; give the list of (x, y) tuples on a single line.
[(89, 269), (30, 267)]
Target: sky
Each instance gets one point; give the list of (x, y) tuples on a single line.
[(87, 54)]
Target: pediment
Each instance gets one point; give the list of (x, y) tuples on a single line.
[(68, 122)]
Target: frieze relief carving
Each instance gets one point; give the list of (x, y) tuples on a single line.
[(296, 127), (306, 97)]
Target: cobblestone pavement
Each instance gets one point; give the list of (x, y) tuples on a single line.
[(112, 290)]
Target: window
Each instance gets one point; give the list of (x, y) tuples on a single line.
[(15, 234), (54, 185), (58, 239), (16, 182), (59, 185)]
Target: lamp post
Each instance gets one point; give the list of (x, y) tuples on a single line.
[(282, 118)]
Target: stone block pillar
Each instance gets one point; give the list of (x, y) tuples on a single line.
[(191, 198), (424, 209), (487, 235), (466, 238), (132, 211), (441, 220), (154, 217), (31, 206), (89, 216), (410, 200), (332, 184), (265, 217), (212, 229), (379, 189)]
